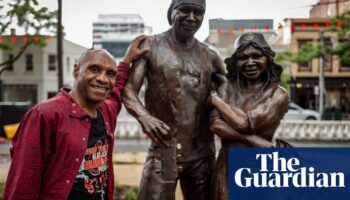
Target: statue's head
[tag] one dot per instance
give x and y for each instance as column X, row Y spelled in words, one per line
column 253, row 58
column 186, row 16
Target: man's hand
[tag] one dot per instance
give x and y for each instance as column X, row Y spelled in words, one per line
column 134, row 52
column 157, row 130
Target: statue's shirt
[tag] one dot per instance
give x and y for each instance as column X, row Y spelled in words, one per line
column 178, row 85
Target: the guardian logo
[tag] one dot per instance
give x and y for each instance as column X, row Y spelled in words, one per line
column 279, row 172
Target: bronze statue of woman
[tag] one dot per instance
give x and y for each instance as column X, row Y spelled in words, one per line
column 253, row 105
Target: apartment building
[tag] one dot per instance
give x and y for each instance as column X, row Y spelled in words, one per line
column 33, row 77
column 329, row 8
column 305, row 76
column 114, row 32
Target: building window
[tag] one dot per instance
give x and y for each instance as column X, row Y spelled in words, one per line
column 344, row 66
column 304, row 66
column 344, row 62
column 9, row 65
column 52, row 62
column 29, row 62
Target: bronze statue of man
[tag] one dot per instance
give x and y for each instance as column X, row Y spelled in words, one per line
column 179, row 71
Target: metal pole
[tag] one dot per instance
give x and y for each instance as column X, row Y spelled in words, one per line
column 59, row 45
column 1, row 90
column 321, row 76
column 337, row 8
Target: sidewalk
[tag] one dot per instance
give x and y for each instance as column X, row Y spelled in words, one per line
column 128, row 170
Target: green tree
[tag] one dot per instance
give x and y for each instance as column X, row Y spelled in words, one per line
column 283, row 60
column 341, row 24
column 29, row 17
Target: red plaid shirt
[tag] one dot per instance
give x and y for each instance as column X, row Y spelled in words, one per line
column 50, row 143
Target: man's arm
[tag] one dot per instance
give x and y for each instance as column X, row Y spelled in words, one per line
column 31, row 147
column 153, row 127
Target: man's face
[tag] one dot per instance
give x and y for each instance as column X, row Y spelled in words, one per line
column 251, row 63
column 95, row 77
column 187, row 19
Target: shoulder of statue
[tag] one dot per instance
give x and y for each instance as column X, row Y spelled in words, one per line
column 282, row 89
column 203, row 46
column 281, row 94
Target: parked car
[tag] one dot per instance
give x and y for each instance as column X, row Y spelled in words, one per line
column 296, row 112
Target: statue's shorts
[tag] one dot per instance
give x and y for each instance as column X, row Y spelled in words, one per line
column 194, row 176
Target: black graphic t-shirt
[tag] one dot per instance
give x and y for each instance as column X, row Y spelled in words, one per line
column 91, row 181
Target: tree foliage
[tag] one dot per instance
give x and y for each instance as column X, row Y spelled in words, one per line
column 341, row 24
column 30, row 18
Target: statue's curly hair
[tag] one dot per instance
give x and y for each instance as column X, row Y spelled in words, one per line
column 274, row 70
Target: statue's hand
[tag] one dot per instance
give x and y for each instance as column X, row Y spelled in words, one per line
column 157, row 130
column 257, row 141
column 213, row 93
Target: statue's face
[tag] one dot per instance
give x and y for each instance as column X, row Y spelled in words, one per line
column 187, row 19
column 251, row 63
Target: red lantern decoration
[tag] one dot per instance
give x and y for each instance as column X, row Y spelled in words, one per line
column 25, row 39
column 13, row 39
column 267, row 28
column 316, row 25
column 339, row 23
column 292, row 27
column 242, row 29
column 327, row 24
column 36, row 39
column 303, row 26
column 280, row 27
column 230, row 31
column 48, row 38
column 1, row 39
column 218, row 31
column 255, row 28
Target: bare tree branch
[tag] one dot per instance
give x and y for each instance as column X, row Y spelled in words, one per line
column 15, row 58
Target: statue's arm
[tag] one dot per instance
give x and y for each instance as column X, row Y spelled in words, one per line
column 218, row 75
column 234, row 116
column 270, row 112
column 263, row 116
column 226, row 132
column 153, row 127
column 132, row 88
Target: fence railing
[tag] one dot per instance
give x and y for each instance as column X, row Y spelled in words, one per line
column 288, row 130
column 314, row 130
